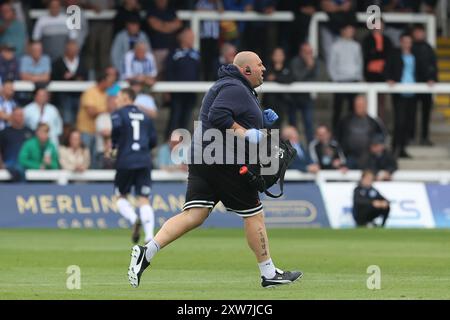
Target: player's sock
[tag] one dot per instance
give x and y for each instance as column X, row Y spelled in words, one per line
column 126, row 210
column 152, row 248
column 148, row 221
column 267, row 269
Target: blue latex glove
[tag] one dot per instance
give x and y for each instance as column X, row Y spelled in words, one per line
column 254, row 135
column 269, row 117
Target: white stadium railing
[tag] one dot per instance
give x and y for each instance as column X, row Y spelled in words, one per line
column 195, row 18
column 63, row 177
column 370, row 89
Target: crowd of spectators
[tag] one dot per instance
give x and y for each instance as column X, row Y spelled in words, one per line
column 72, row 130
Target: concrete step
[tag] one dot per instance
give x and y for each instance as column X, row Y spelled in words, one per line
column 418, row 164
column 443, row 64
column 443, row 52
column 442, row 42
column 444, row 76
column 429, row 153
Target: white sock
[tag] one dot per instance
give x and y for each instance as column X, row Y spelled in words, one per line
column 152, row 248
column 126, row 210
column 148, row 221
column 267, row 269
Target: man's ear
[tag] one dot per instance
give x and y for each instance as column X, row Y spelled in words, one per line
column 248, row 71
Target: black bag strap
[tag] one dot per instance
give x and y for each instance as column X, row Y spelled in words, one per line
column 281, row 183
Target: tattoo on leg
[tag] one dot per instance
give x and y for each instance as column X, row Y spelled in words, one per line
column 263, row 243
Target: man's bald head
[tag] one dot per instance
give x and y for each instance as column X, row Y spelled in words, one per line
column 244, row 58
column 251, row 67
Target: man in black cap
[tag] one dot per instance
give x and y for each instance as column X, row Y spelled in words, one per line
column 381, row 161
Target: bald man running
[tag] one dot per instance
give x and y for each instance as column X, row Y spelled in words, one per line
column 231, row 103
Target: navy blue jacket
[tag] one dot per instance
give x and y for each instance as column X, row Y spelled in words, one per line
column 183, row 65
column 231, row 99
column 134, row 135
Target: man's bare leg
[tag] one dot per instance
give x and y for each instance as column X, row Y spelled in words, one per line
column 255, row 230
column 178, row 225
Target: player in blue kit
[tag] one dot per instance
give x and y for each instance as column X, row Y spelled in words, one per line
column 133, row 137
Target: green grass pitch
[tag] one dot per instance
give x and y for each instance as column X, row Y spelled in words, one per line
column 217, row 264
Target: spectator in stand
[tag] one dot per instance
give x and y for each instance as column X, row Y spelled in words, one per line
column 163, row 26
column 302, row 161
column 73, row 155
column 292, row 35
column 394, row 31
column 144, row 101
column 36, row 66
column 340, row 14
column 345, row 64
column 325, row 151
column 368, row 203
column 93, row 102
column 7, row 103
column 69, row 67
column 140, row 65
column 39, row 152
column 41, row 111
column 98, row 42
column 227, row 53
column 103, row 142
column 12, row 32
column 236, row 30
column 128, row 10
column 304, row 68
column 114, row 89
column 164, row 160
column 401, row 67
column 356, row 131
column 125, row 41
column 209, row 38
column 52, row 31
column 260, row 36
column 426, row 72
column 9, row 66
column 381, row 162
column 376, row 49
column 278, row 71
column 183, row 64
column 11, row 140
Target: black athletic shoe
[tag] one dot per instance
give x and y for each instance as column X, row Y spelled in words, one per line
column 281, row 278
column 137, row 266
column 136, row 234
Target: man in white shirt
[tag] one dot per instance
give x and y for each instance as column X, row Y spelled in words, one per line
column 40, row 111
column 345, row 64
column 140, row 65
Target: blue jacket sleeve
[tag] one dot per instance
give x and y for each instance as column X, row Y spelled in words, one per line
column 229, row 103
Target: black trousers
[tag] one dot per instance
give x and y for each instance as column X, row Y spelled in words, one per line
column 403, row 121
column 210, row 49
column 365, row 214
column 181, row 111
column 339, row 99
column 426, row 102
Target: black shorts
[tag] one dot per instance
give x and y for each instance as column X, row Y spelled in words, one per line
column 209, row 184
column 140, row 179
